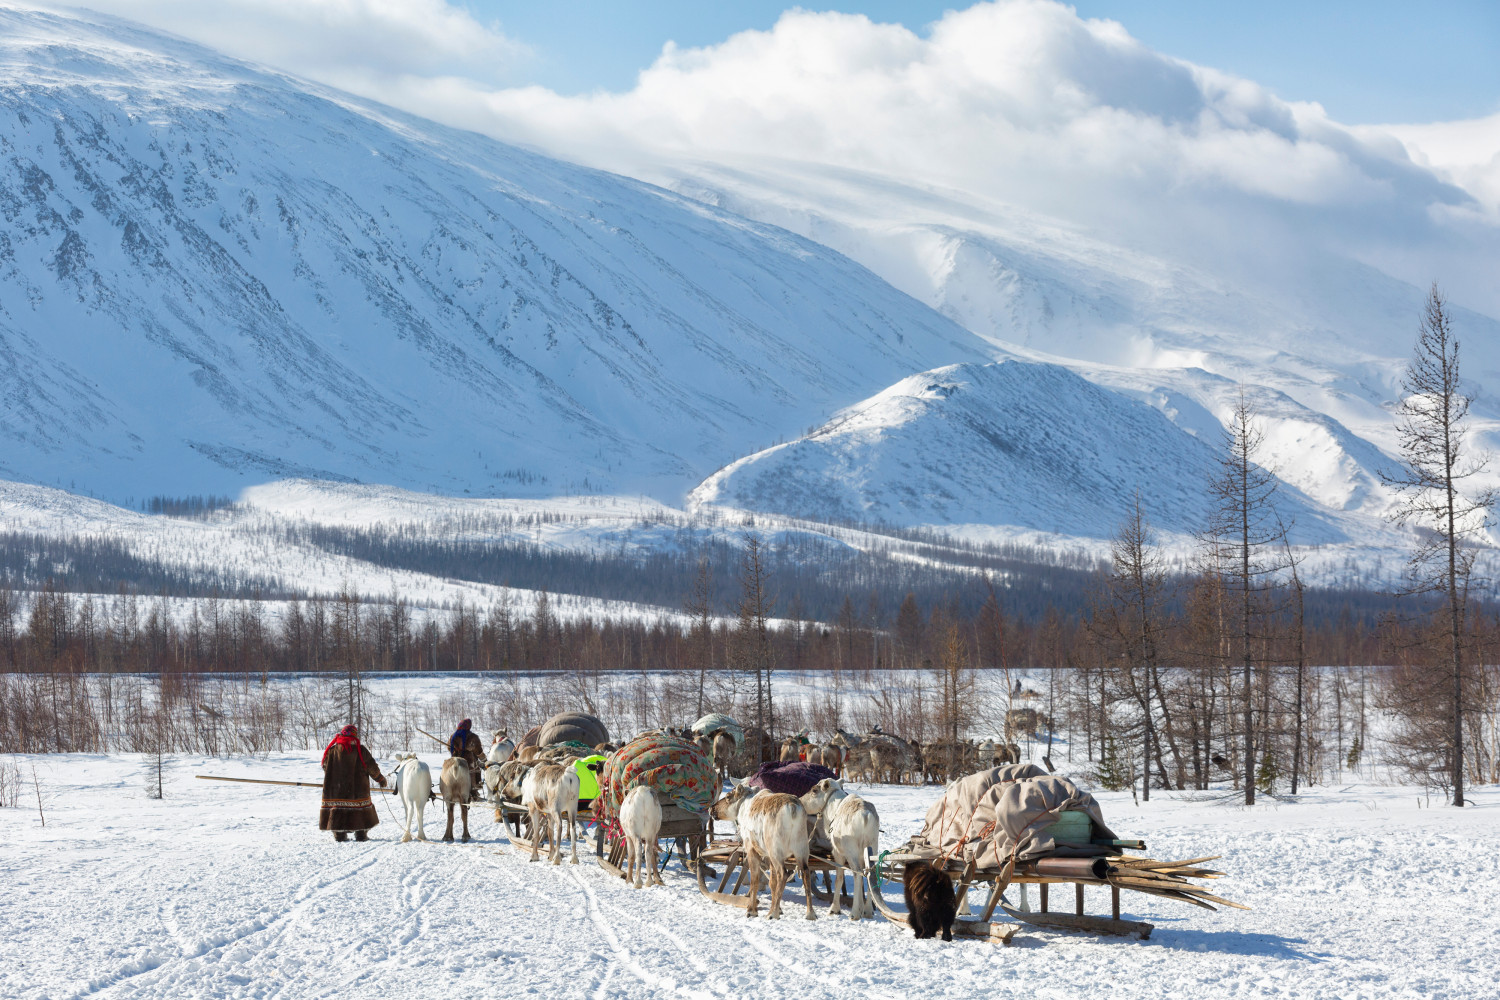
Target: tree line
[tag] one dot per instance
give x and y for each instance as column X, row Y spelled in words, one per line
column 1161, row 675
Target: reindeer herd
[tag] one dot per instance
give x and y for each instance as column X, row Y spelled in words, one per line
column 775, row 831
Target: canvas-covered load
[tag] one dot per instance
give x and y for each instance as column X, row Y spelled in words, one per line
column 567, row 727
column 1013, row 809
column 674, row 768
column 716, row 722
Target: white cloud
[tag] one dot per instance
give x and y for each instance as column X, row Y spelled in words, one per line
column 354, row 44
column 1466, row 152
column 1018, row 101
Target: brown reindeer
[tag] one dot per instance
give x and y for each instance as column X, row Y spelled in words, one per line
column 455, row 784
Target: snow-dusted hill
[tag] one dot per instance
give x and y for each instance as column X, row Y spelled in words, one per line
column 215, row 276
column 1030, row 445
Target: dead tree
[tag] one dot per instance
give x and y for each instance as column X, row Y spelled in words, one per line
column 1243, row 526
column 1432, row 426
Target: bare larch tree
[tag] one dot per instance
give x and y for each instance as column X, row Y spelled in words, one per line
column 1432, row 426
column 1243, row 527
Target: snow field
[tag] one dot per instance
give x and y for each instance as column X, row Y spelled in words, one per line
column 225, row 890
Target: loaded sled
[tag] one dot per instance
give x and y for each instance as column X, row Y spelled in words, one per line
column 1019, row 825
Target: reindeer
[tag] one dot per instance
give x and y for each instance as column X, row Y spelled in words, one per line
column 772, row 827
column 502, row 748
column 455, row 785
column 640, row 822
column 503, row 783
column 548, row 792
column 853, row 828
column 829, row 756
column 791, row 748
column 413, row 781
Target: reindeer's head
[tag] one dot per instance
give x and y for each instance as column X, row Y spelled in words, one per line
column 825, row 791
column 728, row 807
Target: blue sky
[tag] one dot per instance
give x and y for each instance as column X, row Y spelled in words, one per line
column 1366, row 62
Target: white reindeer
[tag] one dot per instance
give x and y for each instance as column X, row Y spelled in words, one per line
column 501, row 748
column 853, row 827
column 548, row 792
column 640, row 822
column 772, row 827
column 413, row 781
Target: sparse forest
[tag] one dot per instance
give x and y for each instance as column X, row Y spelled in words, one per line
column 1155, row 675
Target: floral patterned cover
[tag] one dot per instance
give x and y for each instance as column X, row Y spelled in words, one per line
column 674, row 768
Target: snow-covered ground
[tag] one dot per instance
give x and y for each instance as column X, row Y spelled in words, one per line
column 224, row 890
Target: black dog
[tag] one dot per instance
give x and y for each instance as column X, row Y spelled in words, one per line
column 930, row 903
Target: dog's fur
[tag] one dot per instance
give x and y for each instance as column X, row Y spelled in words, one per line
column 930, row 904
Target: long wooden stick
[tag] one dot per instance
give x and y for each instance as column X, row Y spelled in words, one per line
column 261, row 781
column 439, row 742
column 294, row 784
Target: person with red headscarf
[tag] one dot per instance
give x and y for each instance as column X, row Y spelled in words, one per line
column 347, row 770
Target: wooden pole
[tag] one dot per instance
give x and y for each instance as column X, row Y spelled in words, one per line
column 267, row 781
column 440, row 742
column 261, row 781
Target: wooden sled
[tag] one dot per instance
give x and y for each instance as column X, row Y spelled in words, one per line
column 688, row 831
column 732, row 857
column 517, row 823
column 1115, row 871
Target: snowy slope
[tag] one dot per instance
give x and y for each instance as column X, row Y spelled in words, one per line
column 214, row 276
column 1014, row 443
column 1329, row 333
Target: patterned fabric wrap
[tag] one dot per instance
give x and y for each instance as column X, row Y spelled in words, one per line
column 794, row 777
column 672, row 767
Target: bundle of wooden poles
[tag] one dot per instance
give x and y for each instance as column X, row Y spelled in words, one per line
column 1159, row 878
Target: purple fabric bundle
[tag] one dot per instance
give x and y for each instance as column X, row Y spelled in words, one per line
column 794, row 777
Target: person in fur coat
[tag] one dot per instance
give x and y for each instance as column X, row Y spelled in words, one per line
column 347, row 770
column 466, row 743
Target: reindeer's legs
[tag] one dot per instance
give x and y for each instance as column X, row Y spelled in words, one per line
column 776, row 877
column 448, row 833
column 654, row 872
column 807, row 888
column 752, row 905
column 536, row 832
column 465, row 807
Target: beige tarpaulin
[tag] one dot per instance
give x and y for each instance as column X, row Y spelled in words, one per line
column 1003, row 811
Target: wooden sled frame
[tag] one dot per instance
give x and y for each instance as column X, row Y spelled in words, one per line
column 517, row 823
column 732, row 856
column 687, row 830
column 1116, row 872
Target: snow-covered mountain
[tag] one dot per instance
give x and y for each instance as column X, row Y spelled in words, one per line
column 214, row 276
column 1033, row 446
